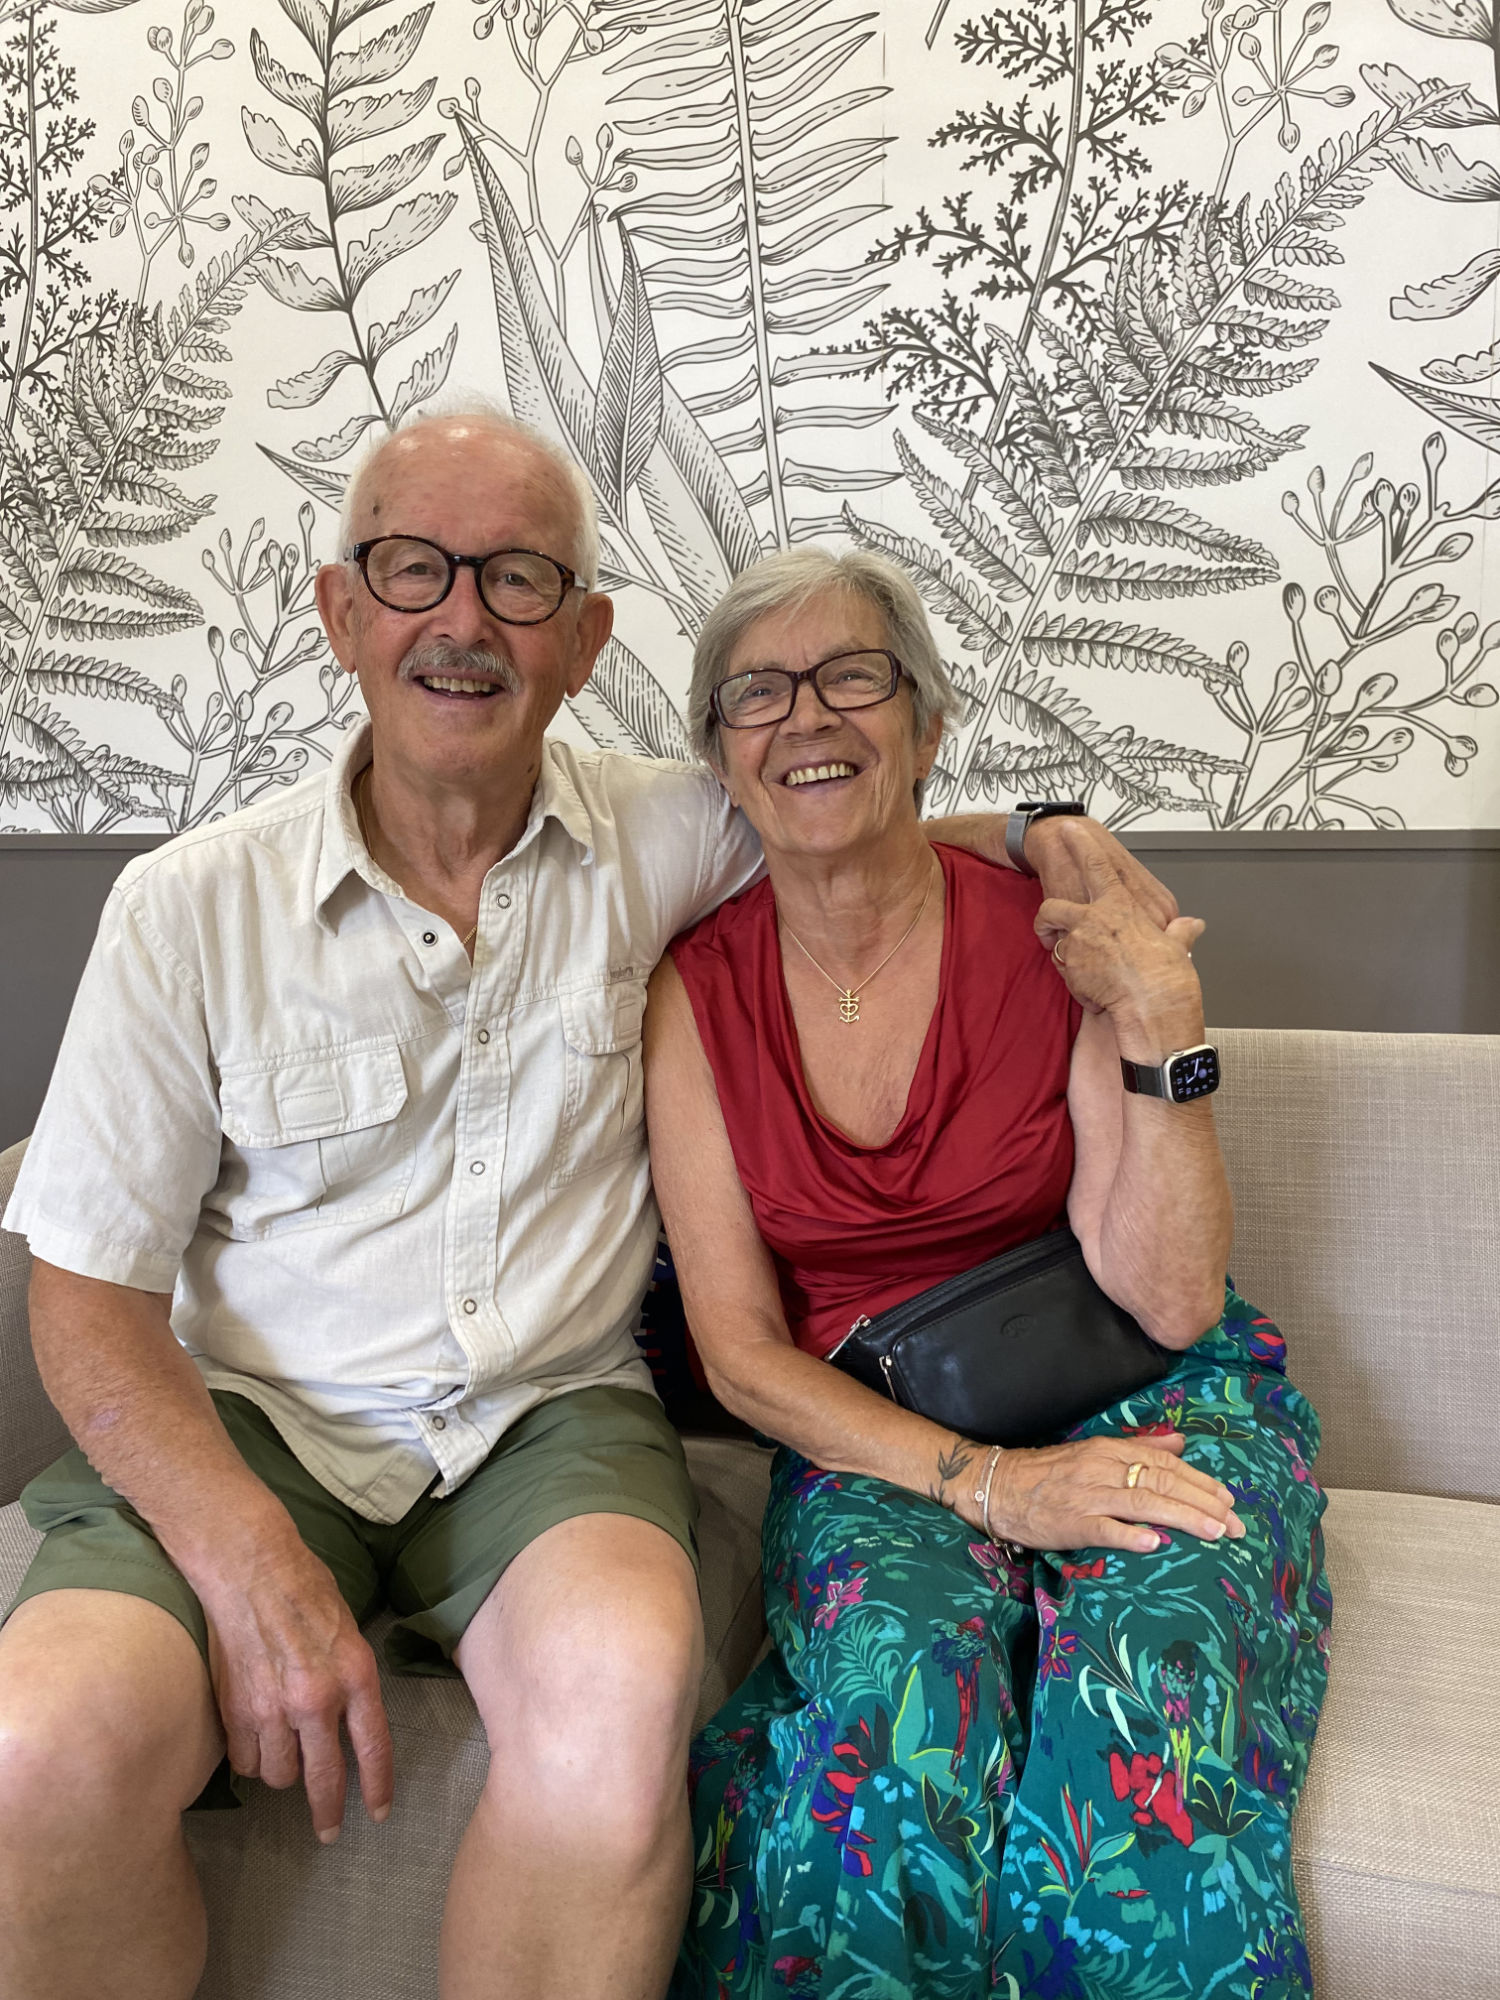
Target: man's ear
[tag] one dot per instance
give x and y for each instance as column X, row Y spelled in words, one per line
column 596, row 620
column 336, row 609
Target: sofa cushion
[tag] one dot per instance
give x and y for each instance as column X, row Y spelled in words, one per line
column 1398, row 1834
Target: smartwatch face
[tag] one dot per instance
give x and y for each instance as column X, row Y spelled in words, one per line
column 1194, row 1075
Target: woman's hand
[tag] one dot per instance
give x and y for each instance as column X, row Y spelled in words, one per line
column 1112, row 954
column 1074, row 1496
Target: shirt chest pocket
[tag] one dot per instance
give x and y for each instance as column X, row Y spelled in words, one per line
column 603, row 1098
column 323, row 1138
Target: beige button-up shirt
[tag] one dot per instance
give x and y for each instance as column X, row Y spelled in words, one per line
column 398, row 1200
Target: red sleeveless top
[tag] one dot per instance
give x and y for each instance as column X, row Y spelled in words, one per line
column 983, row 1155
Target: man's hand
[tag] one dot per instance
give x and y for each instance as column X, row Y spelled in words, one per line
column 289, row 1665
column 1115, row 958
column 1071, row 855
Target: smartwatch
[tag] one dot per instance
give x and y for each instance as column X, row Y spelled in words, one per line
column 1021, row 817
column 1185, row 1075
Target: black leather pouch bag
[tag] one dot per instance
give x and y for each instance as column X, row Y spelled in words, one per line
column 1014, row 1352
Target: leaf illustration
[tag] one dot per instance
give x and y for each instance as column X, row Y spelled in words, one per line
column 379, row 60
column 272, row 147
column 414, row 315
column 1064, row 642
column 348, row 114
column 624, row 707
column 321, row 451
column 1476, row 417
column 300, row 392
column 1465, row 368
column 1096, row 578
column 293, row 286
column 628, row 405
column 945, row 590
column 1135, row 517
column 1438, row 171
column 425, row 379
column 408, row 224
column 1441, row 298
column 129, row 394
column 1457, row 20
column 329, row 487
column 741, row 84
column 1458, row 107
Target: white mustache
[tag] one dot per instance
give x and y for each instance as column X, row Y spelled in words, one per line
column 458, row 661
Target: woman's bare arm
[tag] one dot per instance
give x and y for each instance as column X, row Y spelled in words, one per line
column 1150, row 1202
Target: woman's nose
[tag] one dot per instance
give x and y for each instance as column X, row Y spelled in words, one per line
column 809, row 710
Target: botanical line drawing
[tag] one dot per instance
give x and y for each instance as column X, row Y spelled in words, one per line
column 339, row 103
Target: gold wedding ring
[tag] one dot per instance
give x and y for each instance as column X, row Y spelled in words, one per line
column 1133, row 1474
column 1057, row 953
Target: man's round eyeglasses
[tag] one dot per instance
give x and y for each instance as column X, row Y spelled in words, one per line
column 517, row 586
column 849, row 680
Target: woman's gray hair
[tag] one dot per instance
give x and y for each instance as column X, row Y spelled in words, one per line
column 487, row 415
column 793, row 579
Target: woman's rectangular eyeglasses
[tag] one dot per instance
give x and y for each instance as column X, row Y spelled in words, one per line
column 517, row 586
column 849, row 680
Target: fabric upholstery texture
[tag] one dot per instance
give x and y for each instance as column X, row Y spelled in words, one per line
column 1366, row 1175
column 1367, row 1179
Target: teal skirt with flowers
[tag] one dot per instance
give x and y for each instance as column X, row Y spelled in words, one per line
column 1074, row 1778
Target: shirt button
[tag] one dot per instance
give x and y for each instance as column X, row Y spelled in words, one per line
column 440, row 1423
column 503, row 900
column 476, row 1166
column 429, row 937
column 471, row 1305
column 483, row 1035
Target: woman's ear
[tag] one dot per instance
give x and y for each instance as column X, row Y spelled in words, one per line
column 718, row 771
column 927, row 748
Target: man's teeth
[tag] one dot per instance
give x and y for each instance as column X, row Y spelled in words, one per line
column 457, row 687
column 813, row 777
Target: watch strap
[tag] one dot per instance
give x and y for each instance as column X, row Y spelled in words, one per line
column 1018, row 824
column 1145, row 1079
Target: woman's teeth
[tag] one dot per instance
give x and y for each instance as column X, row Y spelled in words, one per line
column 815, row 777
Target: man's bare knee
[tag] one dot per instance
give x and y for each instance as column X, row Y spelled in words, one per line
column 591, row 1663
column 105, row 1709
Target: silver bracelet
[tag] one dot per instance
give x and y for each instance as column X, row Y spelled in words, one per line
column 982, row 1491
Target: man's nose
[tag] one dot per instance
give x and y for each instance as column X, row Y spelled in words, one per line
column 463, row 615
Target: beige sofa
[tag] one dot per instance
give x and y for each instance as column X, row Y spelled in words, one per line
column 1367, row 1174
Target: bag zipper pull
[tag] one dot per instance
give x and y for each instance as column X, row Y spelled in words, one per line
column 887, row 1363
column 863, row 1320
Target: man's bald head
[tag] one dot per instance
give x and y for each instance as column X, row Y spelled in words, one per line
column 377, row 480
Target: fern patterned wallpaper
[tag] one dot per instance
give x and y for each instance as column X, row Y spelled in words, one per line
column 1158, row 340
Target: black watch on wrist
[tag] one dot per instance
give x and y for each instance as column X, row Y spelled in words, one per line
column 1021, row 817
column 1186, row 1074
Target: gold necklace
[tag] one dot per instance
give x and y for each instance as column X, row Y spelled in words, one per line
column 849, row 995
column 356, row 793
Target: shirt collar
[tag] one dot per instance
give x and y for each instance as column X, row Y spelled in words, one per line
column 342, row 850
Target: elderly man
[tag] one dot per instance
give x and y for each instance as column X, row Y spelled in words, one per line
column 341, row 1218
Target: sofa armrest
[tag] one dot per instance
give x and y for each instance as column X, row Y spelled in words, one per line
column 32, row 1434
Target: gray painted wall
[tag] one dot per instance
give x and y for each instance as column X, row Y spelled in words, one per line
column 1346, row 930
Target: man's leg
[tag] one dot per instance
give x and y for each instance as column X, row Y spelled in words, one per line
column 584, row 1661
column 108, row 1732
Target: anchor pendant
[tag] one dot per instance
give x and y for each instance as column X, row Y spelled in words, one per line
column 849, row 1004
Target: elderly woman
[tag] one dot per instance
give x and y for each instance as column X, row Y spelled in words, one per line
column 1034, row 1722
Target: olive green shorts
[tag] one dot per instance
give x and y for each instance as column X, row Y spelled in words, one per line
column 593, row 1451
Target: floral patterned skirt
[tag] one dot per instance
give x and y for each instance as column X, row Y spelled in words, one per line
column 956, row 1777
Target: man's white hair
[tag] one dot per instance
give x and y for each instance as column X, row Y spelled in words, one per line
column 487, row 415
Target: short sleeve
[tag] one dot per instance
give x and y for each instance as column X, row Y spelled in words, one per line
column 128, row 1140
column 731, row 858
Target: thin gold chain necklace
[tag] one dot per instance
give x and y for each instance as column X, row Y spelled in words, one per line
column 849, row 995
column 356, row 792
